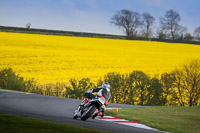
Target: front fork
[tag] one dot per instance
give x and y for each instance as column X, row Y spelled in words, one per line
column 81, row 108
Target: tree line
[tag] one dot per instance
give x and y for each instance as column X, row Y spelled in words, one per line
column 181, row 87
column 134, row 25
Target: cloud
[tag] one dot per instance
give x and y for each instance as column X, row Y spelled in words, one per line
column 92, row 4
column 81, row 4
column 155, row 3
column 70, row 4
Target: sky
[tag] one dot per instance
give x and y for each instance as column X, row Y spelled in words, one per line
column 91, row 15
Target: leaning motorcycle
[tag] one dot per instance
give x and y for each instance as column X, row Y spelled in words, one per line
column 91, row 109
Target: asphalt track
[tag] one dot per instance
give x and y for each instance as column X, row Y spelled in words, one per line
column 58, row 110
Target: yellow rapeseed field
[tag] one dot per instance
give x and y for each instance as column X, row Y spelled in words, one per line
column 51, row 59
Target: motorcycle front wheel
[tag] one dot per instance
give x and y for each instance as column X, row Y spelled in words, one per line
column 88, row 113
column 75, row 116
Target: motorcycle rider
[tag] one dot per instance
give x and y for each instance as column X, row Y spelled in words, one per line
column 102, row 91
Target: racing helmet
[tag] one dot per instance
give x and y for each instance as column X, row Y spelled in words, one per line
column 106, row 85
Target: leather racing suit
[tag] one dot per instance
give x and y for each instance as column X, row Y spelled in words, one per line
column 105, row 92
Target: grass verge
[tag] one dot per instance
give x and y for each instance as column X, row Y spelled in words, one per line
column 171, row 119
column 17, row 124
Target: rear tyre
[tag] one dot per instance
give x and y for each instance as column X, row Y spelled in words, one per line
column 88, row 113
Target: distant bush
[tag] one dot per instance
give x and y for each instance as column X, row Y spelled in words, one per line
column 10, row 80
column 78, row 88
column 162, row 37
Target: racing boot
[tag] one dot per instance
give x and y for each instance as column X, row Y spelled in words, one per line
column 94, row 116
column 102, row 114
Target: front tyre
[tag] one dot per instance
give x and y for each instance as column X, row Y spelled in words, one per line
column 88, row 113
column 75, row 116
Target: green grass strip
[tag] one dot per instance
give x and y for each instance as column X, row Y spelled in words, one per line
column 171, row 119
column 17, row 124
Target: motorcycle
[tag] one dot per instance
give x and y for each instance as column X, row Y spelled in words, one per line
column 92, row 108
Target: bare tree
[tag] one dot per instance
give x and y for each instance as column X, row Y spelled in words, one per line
column 179, row 31
column 147, row 21
column 127, row 20
column 170, row 22
column 28, row 26
column 197, row 33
